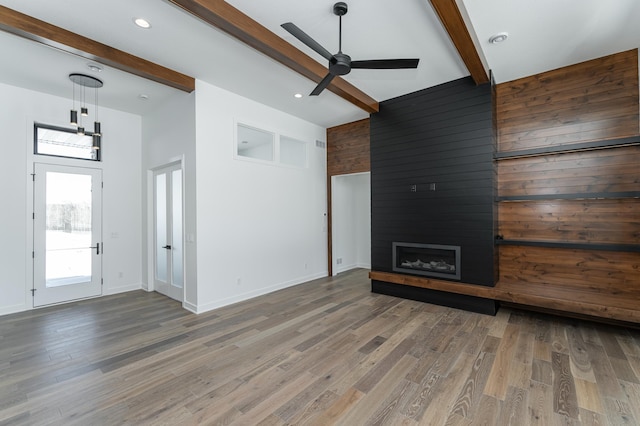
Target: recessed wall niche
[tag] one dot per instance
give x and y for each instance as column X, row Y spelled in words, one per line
column 254, row 143
column 263, row 146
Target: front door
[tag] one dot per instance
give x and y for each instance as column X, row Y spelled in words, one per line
column 169, row 250
column 67, row 233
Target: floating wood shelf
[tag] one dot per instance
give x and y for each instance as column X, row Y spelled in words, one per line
column 619, row 306
column 634, row 248
column 575, row 196
column 563, row 149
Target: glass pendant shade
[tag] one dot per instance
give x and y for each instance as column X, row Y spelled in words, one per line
column 96, row 128
column 80, row 130
column 84, row 111
column 96, row 141
column 74, row 117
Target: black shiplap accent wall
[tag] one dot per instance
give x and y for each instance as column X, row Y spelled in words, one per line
column 442, row 135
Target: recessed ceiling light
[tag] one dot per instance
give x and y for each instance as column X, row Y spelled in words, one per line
column 94, row 67
column 498, row 38
column 142, row 23
column 143, row 97
column 297, row 95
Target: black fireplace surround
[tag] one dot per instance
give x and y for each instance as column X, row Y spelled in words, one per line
column 433, row 184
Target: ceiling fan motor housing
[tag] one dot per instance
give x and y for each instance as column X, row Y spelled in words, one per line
column 340, row 64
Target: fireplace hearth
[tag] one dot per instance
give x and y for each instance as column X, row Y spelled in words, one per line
column 432, row 260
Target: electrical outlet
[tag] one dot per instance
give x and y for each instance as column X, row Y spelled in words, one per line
column 339, row 261
column 238, row 281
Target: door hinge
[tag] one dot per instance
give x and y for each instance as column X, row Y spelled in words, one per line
column 101, row 281
column 33, row 292
column 102, row 185
column 33, row 215
column 33, row 254
column 33, row 177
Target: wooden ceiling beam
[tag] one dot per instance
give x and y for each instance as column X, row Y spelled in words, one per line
column 227, row 18
column 451, row 18
column 39, row 31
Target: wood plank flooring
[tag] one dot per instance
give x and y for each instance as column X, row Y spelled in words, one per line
column 325, row 352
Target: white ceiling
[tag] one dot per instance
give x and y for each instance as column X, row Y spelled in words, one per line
column 543, row 35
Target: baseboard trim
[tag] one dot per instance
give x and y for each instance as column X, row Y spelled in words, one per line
column 206, row 307
column 123, row 289
column 190, row 307
column 14, row 309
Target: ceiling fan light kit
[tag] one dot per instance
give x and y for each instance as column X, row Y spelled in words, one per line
column 341, row 63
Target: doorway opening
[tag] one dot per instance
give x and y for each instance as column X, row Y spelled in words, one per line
column 350, row 222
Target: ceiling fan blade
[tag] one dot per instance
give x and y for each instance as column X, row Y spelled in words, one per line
column 385, row 64
column 306, row 39
column 322, row 85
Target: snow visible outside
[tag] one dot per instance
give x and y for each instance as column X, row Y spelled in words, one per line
column 68, row 229
column 69, row 258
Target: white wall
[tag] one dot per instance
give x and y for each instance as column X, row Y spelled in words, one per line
column 351, row 221
column 121, row 143
column 261, row 227
column 168, row 136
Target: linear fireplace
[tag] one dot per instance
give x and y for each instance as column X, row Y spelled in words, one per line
column 431, row 260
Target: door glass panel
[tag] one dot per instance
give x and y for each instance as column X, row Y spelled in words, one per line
column 68, row 229
column 161, row 227
column 176, row 231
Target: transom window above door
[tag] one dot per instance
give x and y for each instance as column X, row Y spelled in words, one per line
column 60, row 142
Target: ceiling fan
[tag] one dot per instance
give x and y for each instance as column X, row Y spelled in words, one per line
column 341, row 63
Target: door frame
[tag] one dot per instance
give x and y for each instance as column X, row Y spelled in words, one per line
column 31, row 159
column 38, row 258
column 149, row 284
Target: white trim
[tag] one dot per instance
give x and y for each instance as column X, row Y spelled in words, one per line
column 122, row 289
column 14, row 309
column 198, row 309
column 150, row 233
column 190, row 307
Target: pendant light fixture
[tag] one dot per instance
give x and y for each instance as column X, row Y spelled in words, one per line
column 96, row 123
column 91, row 82
column 74, row 112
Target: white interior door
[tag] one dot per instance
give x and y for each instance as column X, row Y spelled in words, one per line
column 169, row 244
column 67, row 233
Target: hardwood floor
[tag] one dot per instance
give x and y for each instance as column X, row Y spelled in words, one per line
column 325, row 352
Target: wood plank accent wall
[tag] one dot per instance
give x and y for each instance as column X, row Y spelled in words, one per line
column 348, row 149
column 593, row 100
column 440, row 136
column 569, row 210
column 607, row 171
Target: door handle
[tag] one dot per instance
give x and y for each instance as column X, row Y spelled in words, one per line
column 97, row 247
column 168, row 247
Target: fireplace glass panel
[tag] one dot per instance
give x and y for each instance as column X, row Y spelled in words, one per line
column 427, row 259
